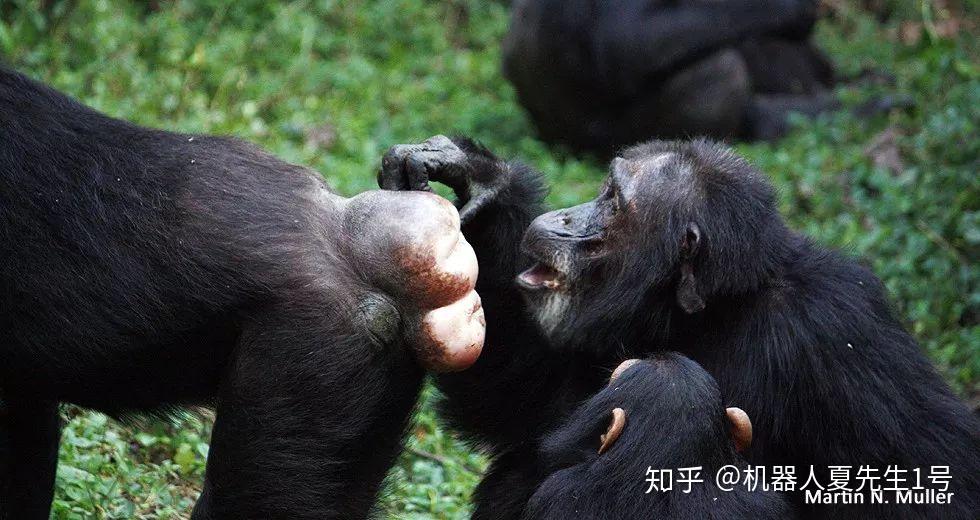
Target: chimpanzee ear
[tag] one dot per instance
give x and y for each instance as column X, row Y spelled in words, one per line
column 741, row 428
column 687, row 288
column 615, row 429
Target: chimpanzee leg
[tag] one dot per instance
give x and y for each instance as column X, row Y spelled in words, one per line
column 787, row 76
column 779, row 66
column 768, row 116
column 309, row 419
column 708, row 97
column 32, row 430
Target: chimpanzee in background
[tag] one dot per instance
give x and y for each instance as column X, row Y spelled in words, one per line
column 683, row 249
column 664, row 413
column 142, row 270
column 598, row 75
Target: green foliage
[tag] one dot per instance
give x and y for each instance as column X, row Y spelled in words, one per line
column 108, row 470
column 436, row 475
column 915, row 221
column 331, row 84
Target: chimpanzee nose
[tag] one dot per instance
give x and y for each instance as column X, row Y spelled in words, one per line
column 563, row 224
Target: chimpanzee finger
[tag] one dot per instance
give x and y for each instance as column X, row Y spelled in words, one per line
column 391, row 175
column 448, row 161
column 417, row 167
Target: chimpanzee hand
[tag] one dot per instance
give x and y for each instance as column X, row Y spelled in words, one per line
column 412, row 166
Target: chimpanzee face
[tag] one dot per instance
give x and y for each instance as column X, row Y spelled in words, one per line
column 409, row 247
column 606, row 253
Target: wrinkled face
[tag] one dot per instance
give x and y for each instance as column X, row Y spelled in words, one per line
column 409, row 246
column 585, row 252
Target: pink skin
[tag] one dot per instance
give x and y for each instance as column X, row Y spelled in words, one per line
column 458, row 329
column 410, row 246
column 625, row 365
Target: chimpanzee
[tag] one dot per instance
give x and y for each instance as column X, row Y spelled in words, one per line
column 600, row 75
column 683, row 249
column 624, row 452
column 143, row 270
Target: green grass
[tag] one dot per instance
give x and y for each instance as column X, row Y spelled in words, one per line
column 331, row 84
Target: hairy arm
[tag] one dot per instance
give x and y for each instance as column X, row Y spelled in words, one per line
column 498, row 401
column 497, row 200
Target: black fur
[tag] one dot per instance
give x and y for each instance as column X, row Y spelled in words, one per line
column 144, row 270
column 800, row 337
column 599, row 75
column 674, row 419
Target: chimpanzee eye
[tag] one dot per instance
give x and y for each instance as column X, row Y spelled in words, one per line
column 605, row 189
column 614, row 195
column 610, row 191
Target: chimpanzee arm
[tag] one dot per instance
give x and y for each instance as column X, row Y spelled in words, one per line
column 631, row 44
column 496, row 199
column 494, row 224
column 500, row 398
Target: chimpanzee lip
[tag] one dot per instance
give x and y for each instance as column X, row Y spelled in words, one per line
column 540, row 276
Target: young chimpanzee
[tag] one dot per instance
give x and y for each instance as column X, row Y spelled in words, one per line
column 684, row 249
column 601, row 75
column 626, row 452
column 142, row 270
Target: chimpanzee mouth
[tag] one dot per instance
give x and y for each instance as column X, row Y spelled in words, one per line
column 541, row 276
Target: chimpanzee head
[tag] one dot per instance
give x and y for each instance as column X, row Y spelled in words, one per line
column 676, row 225
column 668, row 401
column 662, row 412
column 409, row 248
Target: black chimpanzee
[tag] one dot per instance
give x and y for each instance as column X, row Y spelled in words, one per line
column 622, row 453
column 143, row 270
column 684, row 249
column 598, row 75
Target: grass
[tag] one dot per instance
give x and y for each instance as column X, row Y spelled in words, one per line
column 331, row 84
